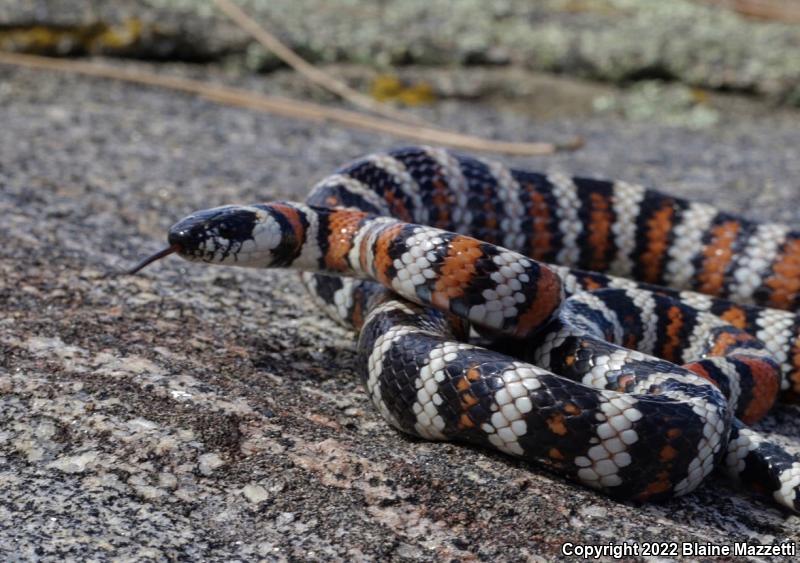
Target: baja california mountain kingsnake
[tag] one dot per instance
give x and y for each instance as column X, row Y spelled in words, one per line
column 632, row 411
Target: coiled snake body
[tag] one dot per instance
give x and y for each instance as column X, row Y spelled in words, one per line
column 625, row 386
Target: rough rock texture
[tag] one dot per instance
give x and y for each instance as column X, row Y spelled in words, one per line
column 192, row 412
column 612, row 40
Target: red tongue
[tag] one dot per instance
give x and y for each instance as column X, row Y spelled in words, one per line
column 150, row 259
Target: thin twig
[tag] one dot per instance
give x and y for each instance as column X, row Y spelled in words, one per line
column 290, row 108
column 302, row 66
column 786, row 11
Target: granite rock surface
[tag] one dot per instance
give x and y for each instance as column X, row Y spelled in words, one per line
column 192, row 412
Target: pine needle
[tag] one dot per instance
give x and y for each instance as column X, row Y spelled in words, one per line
column 289, row 108
column 306, row 69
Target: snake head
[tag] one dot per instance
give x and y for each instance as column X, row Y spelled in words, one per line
column 257, row 236
column 241, row 235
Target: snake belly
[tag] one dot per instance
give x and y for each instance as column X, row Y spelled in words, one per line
column 632, row 366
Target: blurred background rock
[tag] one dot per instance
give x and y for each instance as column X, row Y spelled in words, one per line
column 669, row 58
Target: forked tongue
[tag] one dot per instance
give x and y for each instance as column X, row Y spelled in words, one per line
column 150, row 259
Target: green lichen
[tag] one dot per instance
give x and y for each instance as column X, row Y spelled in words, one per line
column 609, row 40
column 662, row 103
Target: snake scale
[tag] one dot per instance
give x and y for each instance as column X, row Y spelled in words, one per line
column 621, row 337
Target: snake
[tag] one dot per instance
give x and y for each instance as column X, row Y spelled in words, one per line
column 612, row 334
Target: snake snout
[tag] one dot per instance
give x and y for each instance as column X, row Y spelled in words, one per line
column 190, row 236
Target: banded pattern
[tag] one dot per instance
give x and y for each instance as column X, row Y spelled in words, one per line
column 598, row 369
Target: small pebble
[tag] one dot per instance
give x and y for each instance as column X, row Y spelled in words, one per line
column 255, row 493
column 209, row 462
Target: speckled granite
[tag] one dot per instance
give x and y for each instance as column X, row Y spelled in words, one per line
column 199, row 413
